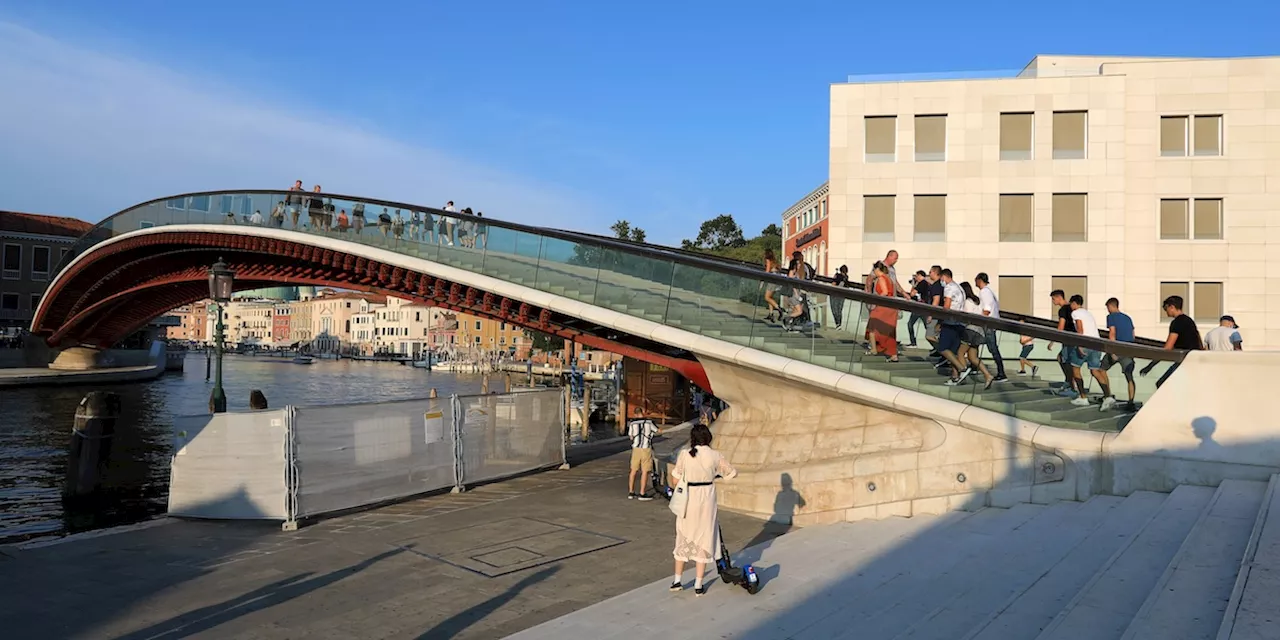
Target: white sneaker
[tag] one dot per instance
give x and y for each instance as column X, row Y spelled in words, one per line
column 963, row 374
column 1108, row 403
column 1080, row 402
column 952, row 382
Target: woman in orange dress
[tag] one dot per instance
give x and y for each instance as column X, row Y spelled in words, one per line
column 883, row 321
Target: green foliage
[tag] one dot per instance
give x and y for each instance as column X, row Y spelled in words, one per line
column 544, row 342
column 717, row 234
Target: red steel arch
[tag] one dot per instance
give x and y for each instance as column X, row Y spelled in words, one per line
column 116, row 288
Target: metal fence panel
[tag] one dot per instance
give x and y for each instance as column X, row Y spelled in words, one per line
column 230, row 465
column 349, row 456
column 508, row 434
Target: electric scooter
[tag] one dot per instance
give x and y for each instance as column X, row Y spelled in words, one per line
column 744, row 577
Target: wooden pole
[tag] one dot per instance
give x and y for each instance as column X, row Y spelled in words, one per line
column 91, row 435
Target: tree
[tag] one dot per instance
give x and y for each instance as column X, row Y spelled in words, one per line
column 624, row 231
column 772, row 230
column 717, row 234
column 544, row 342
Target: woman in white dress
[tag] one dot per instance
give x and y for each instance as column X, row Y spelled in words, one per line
column 698, row 532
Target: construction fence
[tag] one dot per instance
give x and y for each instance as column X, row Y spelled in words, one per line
column 300, row 462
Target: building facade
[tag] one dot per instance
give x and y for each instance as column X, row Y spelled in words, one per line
column 249, row 323
column 804, row 229
column 192, row 322
column 31, row 247
column 1137, row 178
column 281, row 322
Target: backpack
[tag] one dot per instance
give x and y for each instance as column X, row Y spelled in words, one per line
column 809, row 273
column 384, row 218
column 358, row 210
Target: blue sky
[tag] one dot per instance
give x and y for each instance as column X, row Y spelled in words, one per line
column 571, row 114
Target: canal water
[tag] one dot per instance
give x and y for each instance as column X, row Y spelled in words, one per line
column 35, row 428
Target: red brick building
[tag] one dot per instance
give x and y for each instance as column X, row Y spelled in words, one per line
column 804, row 229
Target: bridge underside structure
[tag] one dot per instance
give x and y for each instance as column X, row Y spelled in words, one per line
column 809, row 414
column 125, row 284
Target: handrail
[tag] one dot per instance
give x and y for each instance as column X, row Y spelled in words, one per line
column 1038, row 328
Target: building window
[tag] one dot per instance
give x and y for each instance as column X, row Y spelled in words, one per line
column 198, row 203
column 881, row 138
column 1173, row 136
column 931, row 138
column 12, row 261
column 39, row 263
column 62, row 255
column 1016, row 294
column 877, row 218
column 1017, row 217
column 477, row 325
column 1173, row 219
column 35, row 301
column 9, row 301
column 176, row 203
column 1208, row 219
column 1070, row 286
column 931, row 218
column 1070, row 217
column 477, row 339
column 1208, row 136
column 1203, row 223
column 1206, row 301
column 1016, row 136
column 1070, row 134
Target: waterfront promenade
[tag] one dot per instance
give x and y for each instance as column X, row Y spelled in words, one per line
column 487, row 563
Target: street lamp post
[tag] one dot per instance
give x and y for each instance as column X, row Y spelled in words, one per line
column 221, row 280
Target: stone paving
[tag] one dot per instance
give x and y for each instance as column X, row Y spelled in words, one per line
column 483, row 564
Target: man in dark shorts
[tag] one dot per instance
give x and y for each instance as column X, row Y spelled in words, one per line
column 1120, row 328
column 1065, row 323
column 1183, row 335
column 920, row 289
column 934, row 297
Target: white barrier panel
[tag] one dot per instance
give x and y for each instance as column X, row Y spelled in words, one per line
column 509, row 434
column 348, row 456
column 230, row 465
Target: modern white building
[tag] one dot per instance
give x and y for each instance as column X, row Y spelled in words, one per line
column 1137, row 178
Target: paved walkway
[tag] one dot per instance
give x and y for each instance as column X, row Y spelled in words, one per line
column 484, row 564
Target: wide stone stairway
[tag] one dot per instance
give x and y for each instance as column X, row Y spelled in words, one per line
column 1199, row 563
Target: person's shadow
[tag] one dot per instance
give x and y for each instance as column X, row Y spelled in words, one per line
column 785, row 505
column 1203, row 428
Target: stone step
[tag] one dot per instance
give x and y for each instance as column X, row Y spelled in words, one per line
column 874, row 596
column 1026, row 612
column 1107, row 603
column 1253, row 612
column 1189, row 599
column 954, row 600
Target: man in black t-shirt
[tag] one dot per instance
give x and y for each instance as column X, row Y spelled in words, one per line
column 919, row 291
column 1065, row 323
column 933, row 296
column 1183, row 336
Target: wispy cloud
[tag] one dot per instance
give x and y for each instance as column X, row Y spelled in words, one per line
column 86, row 133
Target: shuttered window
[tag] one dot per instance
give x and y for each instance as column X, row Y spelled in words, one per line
column 931, row 218
column 1206, row 301
column 877, row 218
column 1173, row 220
column 931, row 138
column 1069, row 137
column 1017, row 218
column 1016, row 136
column 1180, row 289
column 1208, row 135
column 1015, row 293
column 1173, row 136
column 1070, row 286
column 1070, row 218
column 1208, row 219
column 881, row 138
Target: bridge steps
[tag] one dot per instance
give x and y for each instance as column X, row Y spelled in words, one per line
column 1149, row 565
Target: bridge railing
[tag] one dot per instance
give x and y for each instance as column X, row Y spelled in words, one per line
column 717, row 298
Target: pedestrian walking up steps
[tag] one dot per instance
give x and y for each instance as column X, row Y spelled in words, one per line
column 1200, row 563
column 1033, row 400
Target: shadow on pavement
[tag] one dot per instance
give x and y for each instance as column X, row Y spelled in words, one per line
column 455, row 624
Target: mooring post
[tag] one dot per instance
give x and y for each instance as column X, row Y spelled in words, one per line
column 257, row 399
column 484, row 384
column 91, row 435
column 208, row 365
column 433, row 393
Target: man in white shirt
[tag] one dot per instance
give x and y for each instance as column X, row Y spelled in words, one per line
column 990, row 306
column 951, row 332
column 1225, row 336
column 641, row 433
column 1086, row 325
column 256, row 218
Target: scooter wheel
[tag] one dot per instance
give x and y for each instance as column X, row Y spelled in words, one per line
column 753, row 588
column 725, row 578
